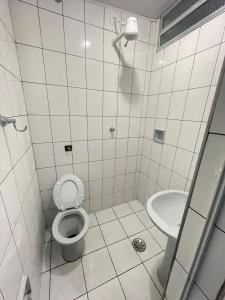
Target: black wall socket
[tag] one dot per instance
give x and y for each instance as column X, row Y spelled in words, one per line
column 68, row 148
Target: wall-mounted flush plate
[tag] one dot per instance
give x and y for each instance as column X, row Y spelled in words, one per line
column 159, row 135
column 68, row 148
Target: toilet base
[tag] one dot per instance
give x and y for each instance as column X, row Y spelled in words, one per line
column 74, row 251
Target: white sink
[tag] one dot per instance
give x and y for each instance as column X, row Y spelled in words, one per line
column 166, row 211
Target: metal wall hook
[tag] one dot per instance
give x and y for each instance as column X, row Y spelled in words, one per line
column 5, row 121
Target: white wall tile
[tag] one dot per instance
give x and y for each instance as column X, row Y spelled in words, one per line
column 60, row 128
column 40, row 129
column 95, row 150
column 109, row 103
column 94, row 74
column 94, row 128
column 80, row 151
column 5, row 229
column 111, row 77
column 31, row 56
column 172, row 132
column 52, row 36
column 44, row 155
column 74, row 37
column 210, row 165
column 77, row 101
column 219, row 63
column 36, row 98
column 94, row 42
column 94, row 14
column 176, row 282
column 26, row 23
column 211, row 33
column 171, row 53
column 177, row 105
column 47, row 178
column 195, row 104
column 74, row 9
column 4, row 154
column 203, row 67
column 75, row 66
column 163, row 105
column 188, row 135
column 58, row 100
column 182, row 162
column 155, row 82
column 94, row 103
column 78, row 128
column 181, row 78
column 167, row 78
column 122, row 127
column 144, row 29
column 189, row 241
column 63, row 170
column 108, row 149
column 55, row 67
column 95, row 170
column 11, row 199
column 188, row 44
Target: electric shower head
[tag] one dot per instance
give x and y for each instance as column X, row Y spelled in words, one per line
column 130, row 33
column 131, row 30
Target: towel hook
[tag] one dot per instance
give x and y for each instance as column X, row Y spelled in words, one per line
column 5, row 121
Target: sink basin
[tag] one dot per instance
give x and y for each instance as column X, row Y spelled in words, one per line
column 166, row 210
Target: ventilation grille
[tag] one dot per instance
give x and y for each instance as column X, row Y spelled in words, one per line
column 175, row 12
column 201, row 12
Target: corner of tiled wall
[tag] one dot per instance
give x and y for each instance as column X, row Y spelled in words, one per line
column 21, row 213
column 206, row 67
column 183, row 81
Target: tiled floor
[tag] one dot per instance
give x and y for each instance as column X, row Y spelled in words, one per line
column 109, row 268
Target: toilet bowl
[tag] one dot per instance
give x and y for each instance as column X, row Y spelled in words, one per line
column 71, row 223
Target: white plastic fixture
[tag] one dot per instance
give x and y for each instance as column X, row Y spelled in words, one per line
column 131, row 31
column 166, row 210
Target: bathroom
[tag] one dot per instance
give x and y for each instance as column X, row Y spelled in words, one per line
column 121, row 103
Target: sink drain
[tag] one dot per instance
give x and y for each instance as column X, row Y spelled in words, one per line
column 139, row 245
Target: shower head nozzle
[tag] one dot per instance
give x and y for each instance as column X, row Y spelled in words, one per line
column 130, row 33
column 131, row 30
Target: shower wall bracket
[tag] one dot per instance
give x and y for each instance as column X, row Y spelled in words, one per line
column 5, row 121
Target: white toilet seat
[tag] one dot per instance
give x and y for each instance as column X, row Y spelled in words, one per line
column 58, row 219
column 68, row 192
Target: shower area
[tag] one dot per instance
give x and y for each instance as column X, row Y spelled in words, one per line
column 103, row 101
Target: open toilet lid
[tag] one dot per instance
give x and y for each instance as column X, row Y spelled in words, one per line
column 68, row 192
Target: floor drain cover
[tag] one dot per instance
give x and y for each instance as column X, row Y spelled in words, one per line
column 139, row 245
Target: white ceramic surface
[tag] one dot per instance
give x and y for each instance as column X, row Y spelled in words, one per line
column 166, row 210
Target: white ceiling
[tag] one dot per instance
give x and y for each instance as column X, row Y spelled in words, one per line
column 148, row 8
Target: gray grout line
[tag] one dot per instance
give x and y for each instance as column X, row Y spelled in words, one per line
column 68, row 96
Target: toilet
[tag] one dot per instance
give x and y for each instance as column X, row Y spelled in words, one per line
column 71, row 223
